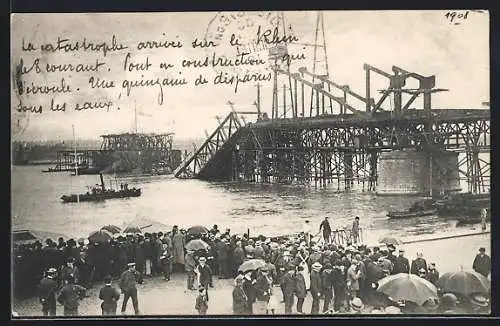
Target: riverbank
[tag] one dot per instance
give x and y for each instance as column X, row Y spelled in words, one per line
column 448, row 254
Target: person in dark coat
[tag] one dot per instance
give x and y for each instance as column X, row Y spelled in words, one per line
column 239, row 297
column 47, row 293
column 250, row 291
column 432, row 274
column 109, row 296
column 128, row 281
column 327, row 286
column 327, row 230
column 418, row 264
column 288, row 288
column 315, row 287
column 238, row 255
column 205, row 273
column 376, row 254
column 222, row 254
column 70, row 270
column 401, row 264
column 482, row 263
column 339, row 285
column 300, row 288
column 70, row 297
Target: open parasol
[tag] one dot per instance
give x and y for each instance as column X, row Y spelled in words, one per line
column 407, row 287
column 100, row 236
column 251, row 265
column 197, row 230
column 132, row 229
column 111, row 228
column 464, row 282
column 390, row 241
column 197, row 244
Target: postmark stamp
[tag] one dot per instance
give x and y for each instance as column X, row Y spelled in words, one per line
column 235, row 34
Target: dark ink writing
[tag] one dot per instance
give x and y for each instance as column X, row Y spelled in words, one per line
column 56, row 107
column 203, row 44
column 130, row 66
column 165, row 65
column 33, row 89
column 455, row 17
column 200, row 81
column 65, row 45
column 32, row 109
column 159, row 82
column 35, row 65
column 94, row 105
column 234, row 41
column 80, row 67
column 27, row 47
column 165, row 44
column 226, row 79
column 101, row 83
column 275, row 38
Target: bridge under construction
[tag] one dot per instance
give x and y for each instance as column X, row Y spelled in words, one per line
column 323, row 133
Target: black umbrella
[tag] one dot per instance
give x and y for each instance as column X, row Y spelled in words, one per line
column 112, row 228
column 251, row 265
column 197, row 230
column 197, row 244
column 100, row 236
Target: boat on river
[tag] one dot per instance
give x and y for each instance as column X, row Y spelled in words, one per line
column 411, row 213
column 101, row 193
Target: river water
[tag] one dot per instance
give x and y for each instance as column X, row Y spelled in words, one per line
column 167, row 201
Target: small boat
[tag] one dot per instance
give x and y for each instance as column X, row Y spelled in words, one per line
column 99, row 194
column 411, row 213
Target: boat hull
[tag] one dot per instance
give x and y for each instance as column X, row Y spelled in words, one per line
column 101, row 196
column 406, row 214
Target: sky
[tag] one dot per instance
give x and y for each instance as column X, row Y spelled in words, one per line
column 421, row 41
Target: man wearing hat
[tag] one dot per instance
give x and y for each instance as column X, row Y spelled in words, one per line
column 482, row 263
column 204, row 273
column 401, row 264
column 288, row 287
column 70, row 296
column 47, row 293
column 128, row 281
column 70, row 270
column 327, row 286
column 222, row 248
column 109, row 296
column 418, row 264
column 315, row 287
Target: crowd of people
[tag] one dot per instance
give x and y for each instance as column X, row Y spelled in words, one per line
column 340, row 278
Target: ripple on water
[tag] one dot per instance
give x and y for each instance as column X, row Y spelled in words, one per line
column 266, row 209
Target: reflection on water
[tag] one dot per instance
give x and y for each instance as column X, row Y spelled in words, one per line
column 166, row 201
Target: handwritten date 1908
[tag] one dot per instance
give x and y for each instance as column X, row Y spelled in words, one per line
column 456, row 17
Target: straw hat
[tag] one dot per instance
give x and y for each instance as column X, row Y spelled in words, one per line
column 392, row 310
column 479, row 300
column 357, row 304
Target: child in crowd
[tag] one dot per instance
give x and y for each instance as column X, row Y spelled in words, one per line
column 202, row 301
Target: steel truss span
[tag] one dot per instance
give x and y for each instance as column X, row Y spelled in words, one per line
column 322, row 132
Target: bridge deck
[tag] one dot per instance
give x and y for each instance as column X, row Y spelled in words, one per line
column 374, row 120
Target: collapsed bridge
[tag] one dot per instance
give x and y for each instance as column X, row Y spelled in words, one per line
column 324, row 133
